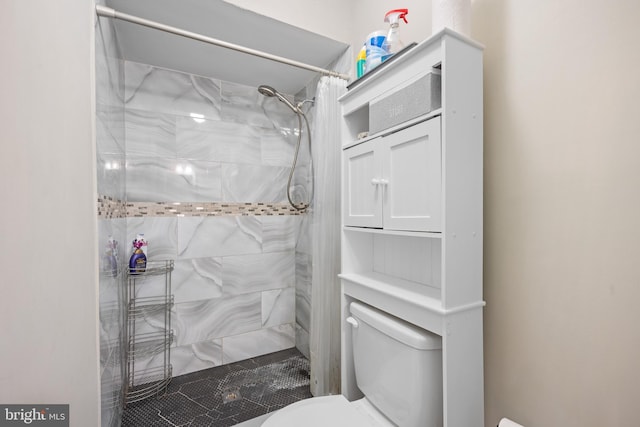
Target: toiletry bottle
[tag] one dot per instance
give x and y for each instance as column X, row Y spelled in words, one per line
column 361, row 62
column 138, row 260
column 374, row 49
column 110, row 258
column 392, row 43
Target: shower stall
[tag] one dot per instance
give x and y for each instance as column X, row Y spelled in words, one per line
column 214, row 166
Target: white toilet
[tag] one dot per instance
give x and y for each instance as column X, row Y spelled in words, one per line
column 398, row 368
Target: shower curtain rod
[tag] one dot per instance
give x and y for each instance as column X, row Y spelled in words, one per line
column 112, row 13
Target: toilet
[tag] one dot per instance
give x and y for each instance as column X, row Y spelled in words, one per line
column 398, row 368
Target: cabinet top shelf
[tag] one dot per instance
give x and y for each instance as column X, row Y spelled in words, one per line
column 399, row 63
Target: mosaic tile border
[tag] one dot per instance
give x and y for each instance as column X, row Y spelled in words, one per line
column 109, row 208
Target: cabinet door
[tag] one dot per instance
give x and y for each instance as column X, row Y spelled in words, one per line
column 412, row 177
column 362, row 192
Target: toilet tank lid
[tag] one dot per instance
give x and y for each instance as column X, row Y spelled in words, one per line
column 396, row 328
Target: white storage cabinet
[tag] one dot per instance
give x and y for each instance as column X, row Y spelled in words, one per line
column 412, row 212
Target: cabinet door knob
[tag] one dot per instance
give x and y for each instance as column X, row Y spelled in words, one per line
column 384, row 181
column 375, row 181
column 353, row 322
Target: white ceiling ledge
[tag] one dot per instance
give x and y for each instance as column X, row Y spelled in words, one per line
column 221, row 20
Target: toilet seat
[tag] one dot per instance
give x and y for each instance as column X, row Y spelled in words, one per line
column 334, row 411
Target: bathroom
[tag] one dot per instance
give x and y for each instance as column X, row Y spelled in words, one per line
column 561, row 336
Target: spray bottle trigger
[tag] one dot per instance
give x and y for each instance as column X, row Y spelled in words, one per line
column 402, row 14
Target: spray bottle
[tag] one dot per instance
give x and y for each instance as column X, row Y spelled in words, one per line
column 393, row 44
column 138, row 260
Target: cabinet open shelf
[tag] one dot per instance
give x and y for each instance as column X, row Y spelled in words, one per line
column 408, row 300
column 355, row 141
column 400, row 289
column 422, row 234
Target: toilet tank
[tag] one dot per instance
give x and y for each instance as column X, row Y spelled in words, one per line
column 398, row 367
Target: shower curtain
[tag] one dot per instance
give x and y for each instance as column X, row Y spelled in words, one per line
column 325, row 231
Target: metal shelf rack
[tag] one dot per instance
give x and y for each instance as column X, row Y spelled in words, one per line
column 149, row 333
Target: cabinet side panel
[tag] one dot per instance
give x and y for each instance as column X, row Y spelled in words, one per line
column 463, row 370
column 462, row 154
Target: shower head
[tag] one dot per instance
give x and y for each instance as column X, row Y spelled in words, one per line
column 269, row 91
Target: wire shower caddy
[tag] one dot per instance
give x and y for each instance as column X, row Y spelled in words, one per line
column 149, row 335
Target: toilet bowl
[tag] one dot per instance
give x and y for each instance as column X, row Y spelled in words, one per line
column 398, row 368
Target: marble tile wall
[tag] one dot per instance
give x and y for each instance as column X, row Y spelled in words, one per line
column 206, row 171
column 110, row 161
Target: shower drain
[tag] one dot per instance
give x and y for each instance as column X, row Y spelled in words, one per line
column 231, row 394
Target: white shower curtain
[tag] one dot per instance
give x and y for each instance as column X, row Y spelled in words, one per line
column 325, row 224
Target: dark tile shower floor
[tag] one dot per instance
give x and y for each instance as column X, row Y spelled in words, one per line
column 226, row 395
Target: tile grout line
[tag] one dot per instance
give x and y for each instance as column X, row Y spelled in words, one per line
column 169, row 421
column 197, row 403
